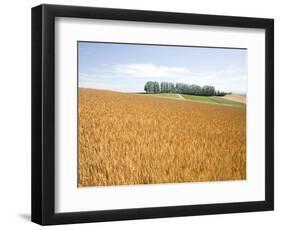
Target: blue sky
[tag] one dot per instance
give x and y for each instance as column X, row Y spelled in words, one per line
column 126, row 67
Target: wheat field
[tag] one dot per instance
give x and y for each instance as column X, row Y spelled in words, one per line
column 127, row 139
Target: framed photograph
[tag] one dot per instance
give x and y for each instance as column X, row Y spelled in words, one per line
column 143, row 114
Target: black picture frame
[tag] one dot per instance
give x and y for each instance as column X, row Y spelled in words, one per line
column 43, row 114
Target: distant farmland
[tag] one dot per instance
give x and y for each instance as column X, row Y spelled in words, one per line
column 228, row 100
column 127, row 138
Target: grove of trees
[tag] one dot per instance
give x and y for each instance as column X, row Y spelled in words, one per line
column 152, row 87
column 168, row 87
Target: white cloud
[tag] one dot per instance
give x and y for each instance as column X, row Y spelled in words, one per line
column 231, row 70
column 97, row 82
column 142, row 70
column 132, row 77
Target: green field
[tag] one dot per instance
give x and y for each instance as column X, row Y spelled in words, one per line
column 220, row 100
column 214, row 100
column 167, row 95
column 202, row 99
column 205, row 99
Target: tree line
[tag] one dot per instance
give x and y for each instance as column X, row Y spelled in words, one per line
column 169, row 87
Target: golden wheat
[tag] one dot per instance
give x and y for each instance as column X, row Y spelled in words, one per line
column 136, row 139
